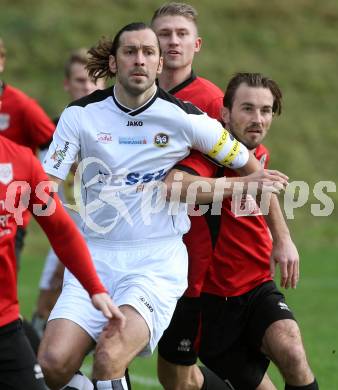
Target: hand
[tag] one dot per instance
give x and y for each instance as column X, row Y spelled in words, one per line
column 267, row 180
column 285, row 253
column 117, row 321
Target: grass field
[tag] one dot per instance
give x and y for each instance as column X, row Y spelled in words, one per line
column 314, row 303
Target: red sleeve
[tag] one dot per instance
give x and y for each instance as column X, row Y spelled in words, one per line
column 63, row 234
column 39, row 125
column 199, row 164
column 263, row 155
column 214, row 108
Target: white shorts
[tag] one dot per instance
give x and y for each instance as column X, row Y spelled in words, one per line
column 150, row 277
column 49, row 268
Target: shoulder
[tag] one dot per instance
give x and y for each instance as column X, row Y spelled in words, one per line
column 95, row 97
column 212, row 89
column 16, row 94
column 185, row 106
column 261, row 149
column 12, row 151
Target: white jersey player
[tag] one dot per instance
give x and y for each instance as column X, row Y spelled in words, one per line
column 127, row 136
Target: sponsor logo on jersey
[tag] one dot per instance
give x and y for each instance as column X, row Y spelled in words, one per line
column 138, row 140
column 37, row 371
column 161, row 140
column 185, row 345
column 59, row 155
column 141, row 178
column 104, row 138
column 4, row 121
column 146, row 303
column 283, row 306
column 134, row 123
column 6, row 173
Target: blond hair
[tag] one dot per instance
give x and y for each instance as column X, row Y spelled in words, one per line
column 176, row 9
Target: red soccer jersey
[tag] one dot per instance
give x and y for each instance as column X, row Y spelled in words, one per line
column 18, row 164
column 241, row 258
column 208, row 97
column 23, row 121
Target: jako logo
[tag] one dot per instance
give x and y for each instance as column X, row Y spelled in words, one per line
column 147, row 304
column 134, row 123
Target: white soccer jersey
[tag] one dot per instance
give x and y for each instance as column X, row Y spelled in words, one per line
column 123, row 151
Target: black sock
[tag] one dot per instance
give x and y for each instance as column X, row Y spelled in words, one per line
column 212, row 381
column 311, row 386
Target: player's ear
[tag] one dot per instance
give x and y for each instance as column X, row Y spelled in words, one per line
column 112, row 64
column 198, row 44
column 225, row 115
column 160, row 66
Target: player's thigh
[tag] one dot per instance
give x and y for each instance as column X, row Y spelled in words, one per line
column 267, row 307
column 153, row 284
column 222, row 324
column 224, row 347
column 126, row 344
column 178, row 345
column 64, row 344
column 19, row 369
column 281, row 336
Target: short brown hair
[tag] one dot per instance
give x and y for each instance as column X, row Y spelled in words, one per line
column 176, row 9
column 253, row 80
column 79, row 56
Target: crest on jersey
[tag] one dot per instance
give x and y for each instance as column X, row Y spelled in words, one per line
column 161, row 140
column 4, row 121
column 6, row 173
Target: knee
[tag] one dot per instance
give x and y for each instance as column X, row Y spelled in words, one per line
column 109, row 360
column 294, row 354
column 176, row 377
column 167, row 381
column 54, row 367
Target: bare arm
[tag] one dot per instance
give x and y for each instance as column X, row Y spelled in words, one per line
column 284, row 250
column 181, row 184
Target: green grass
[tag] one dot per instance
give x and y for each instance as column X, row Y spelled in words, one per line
column 314, row 303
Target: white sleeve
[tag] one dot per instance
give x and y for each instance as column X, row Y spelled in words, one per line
column 210, row 138
column 65, row 146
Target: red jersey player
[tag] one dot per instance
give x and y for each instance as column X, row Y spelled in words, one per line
column 23, row 121
column 175, row 26
column 23, row 184
column 245, row 320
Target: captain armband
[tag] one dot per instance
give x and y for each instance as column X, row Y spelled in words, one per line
column 229, row 152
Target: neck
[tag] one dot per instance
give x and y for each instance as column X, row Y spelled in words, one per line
column 170, row 78
column 130, row 100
